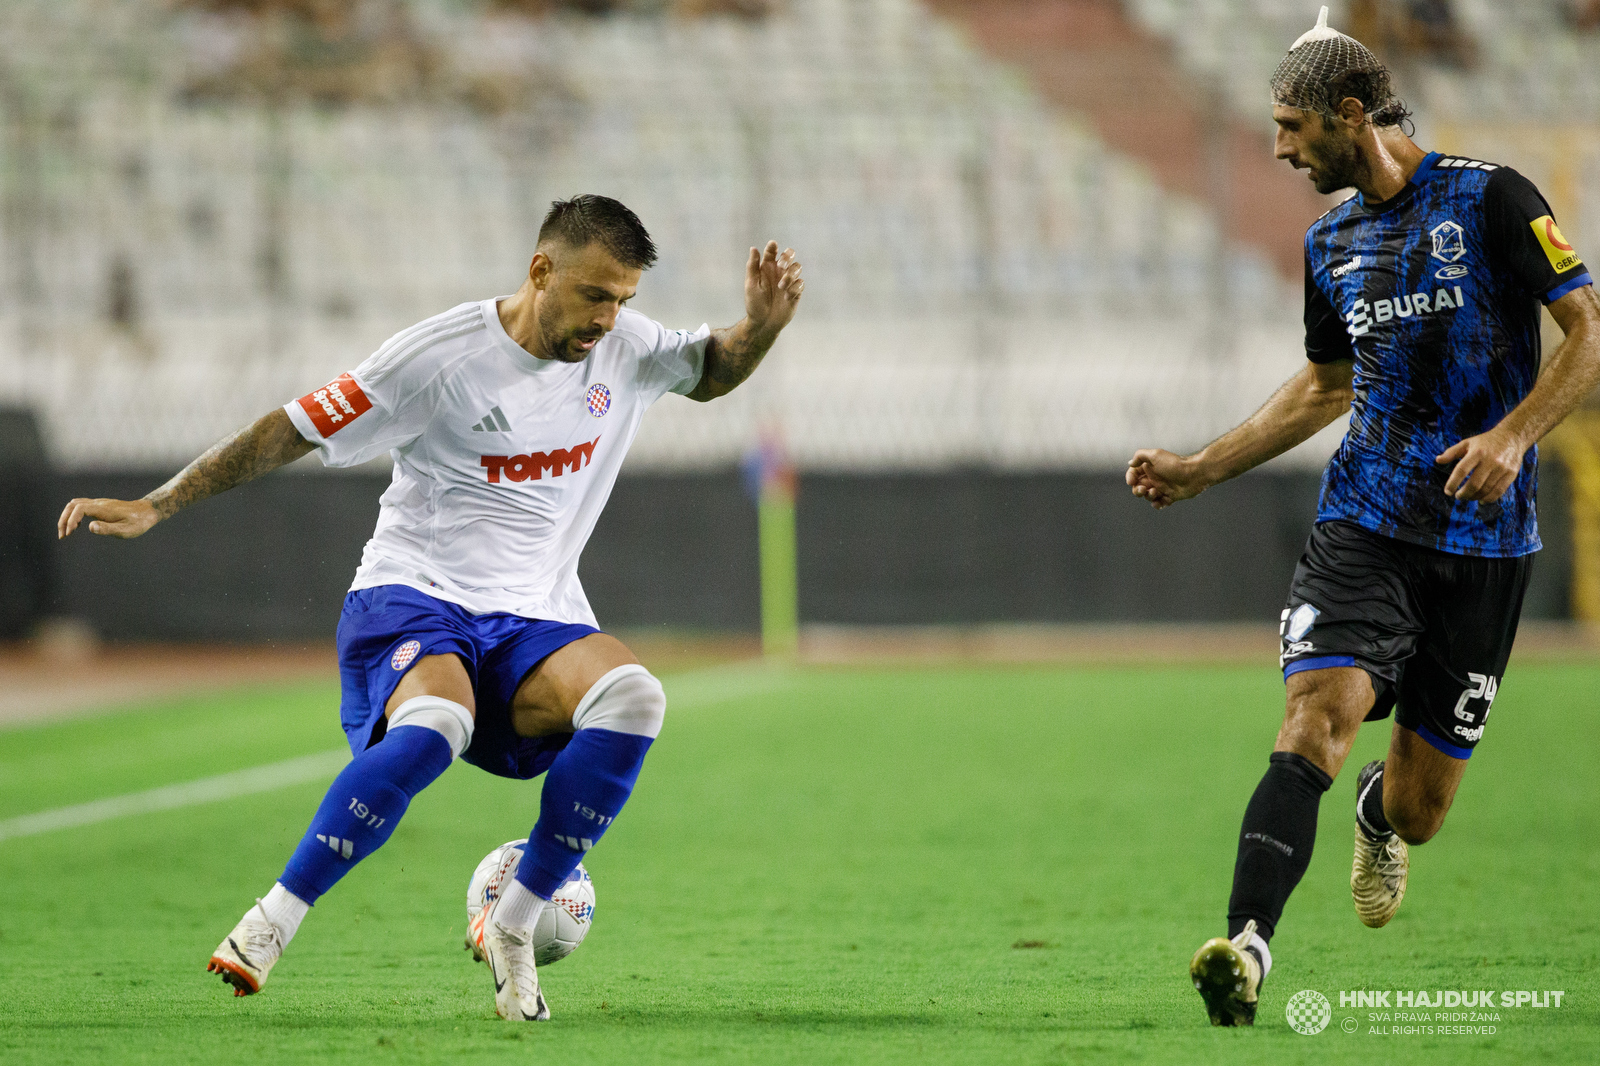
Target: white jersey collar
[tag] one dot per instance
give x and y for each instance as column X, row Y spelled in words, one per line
column 516, row 352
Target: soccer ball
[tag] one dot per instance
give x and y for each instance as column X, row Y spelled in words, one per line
column 561, row 928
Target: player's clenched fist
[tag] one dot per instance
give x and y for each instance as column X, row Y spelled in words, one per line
column 772, row 287
column 1163, row 478
column 109, row 518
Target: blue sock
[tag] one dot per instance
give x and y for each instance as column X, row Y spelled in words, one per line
column 584, row 791
column 363, row 806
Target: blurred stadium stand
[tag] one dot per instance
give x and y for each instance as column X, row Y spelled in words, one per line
column 211, row 206
column 28, row 492
column 1517, row 83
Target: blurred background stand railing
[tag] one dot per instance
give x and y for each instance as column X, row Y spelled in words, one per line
column 1576, row 442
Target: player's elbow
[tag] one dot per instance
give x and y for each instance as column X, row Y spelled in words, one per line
column 1329, row 401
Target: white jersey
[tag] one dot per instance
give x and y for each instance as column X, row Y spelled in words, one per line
column 502, row 462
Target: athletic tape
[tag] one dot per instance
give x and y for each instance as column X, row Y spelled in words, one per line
column 445, row 717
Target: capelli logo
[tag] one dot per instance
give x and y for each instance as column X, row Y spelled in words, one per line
column 1451, row 273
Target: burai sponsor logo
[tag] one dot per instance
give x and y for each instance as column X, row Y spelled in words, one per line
column 534, row 465
column 1362, row 315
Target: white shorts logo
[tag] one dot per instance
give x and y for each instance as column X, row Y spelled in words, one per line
column 404, row 654
column 1308, row 1012
column 1301, row 621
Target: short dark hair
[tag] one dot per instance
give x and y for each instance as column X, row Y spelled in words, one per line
column 589, row 219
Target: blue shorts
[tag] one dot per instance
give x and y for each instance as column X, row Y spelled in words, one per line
column 384, row 630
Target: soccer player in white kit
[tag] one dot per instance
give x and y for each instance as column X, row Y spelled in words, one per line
column 466, row 632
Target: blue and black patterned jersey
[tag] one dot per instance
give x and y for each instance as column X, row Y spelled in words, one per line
column 1435, row 295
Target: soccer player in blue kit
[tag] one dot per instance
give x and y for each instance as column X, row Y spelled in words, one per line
column 466, row 633
column 1422, row 321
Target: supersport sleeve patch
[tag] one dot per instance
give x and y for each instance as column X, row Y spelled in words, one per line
column 335, row 405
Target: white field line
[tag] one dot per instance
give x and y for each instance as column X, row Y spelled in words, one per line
column 700, row 688
column 321, row 766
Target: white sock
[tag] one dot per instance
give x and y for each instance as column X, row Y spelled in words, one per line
column 518, row 906
column 284, row 909
column 1262, row 950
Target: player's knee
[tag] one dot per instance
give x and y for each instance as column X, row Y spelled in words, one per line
column 628, row 699
column 446, row 717
column 1325, row 706
column 1312, row 722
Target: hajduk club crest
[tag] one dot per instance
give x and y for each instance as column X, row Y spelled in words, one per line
column 599, row 400
column 404, row 654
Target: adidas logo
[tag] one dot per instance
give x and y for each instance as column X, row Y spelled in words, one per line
column 493, row 422
column 576, row 843
column 343, row 847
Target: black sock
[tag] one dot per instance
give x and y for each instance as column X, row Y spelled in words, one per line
column 1369, row 809
column 1280, row 827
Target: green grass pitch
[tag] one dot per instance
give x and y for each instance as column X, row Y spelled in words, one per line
column 1006, row 865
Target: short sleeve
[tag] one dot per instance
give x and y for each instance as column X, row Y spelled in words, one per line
column 674, row 360
column 1523, row 237
column 1327, row 339
column 364, row 414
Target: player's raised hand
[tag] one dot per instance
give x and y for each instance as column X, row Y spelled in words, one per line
column 1162, row 477
column 772, row 287
column 1486, row 465
column 108, row 518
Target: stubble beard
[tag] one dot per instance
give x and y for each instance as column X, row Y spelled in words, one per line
column 556, row 342
column 1336, row 163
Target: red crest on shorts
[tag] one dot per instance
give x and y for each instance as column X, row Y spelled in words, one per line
column 335, row 405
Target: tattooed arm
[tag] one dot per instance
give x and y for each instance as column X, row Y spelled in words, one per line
column 772, row 288
column 268, row 443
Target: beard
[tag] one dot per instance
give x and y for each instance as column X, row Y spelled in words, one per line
column 560, row 343
column 1336, row 163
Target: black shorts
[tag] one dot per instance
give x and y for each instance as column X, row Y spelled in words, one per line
column 1433, row 629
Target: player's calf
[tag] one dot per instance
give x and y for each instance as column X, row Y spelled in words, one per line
column 589, row 782
column 359, row 813
column 1419, row 784
column 614, row 725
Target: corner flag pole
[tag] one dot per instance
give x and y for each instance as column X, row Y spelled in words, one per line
column 770, row 478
